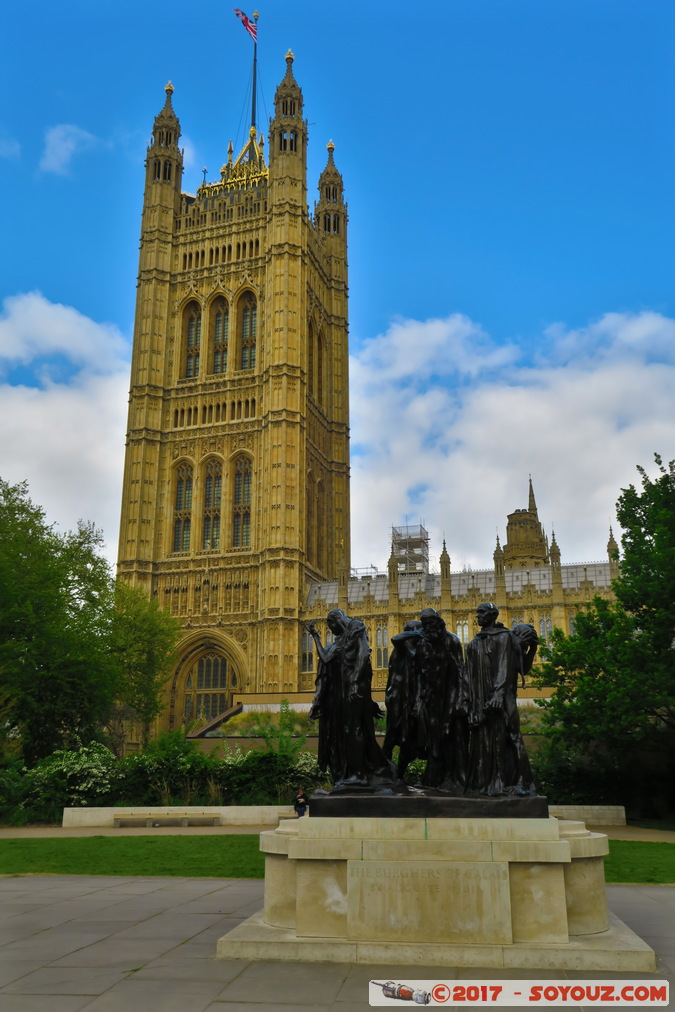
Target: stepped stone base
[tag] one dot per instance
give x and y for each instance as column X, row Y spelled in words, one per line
column 617, row 949
column 508, row 892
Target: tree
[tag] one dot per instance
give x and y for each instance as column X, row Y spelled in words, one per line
column 601, row 693
column 55, row 667
column 75, row 647
column 614, row 678
column 646, row 586
column 143, row 643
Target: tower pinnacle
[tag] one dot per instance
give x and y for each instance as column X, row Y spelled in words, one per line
column 531, row 503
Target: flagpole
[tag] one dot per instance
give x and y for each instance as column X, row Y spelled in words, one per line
column 255, row 69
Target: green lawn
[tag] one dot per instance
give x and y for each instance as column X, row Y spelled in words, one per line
column 235, row 856
column 239, row 857
column 635, row 861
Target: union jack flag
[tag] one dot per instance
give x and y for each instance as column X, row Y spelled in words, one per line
column 249, row 25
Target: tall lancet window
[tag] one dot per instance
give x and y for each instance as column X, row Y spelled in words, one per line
column 241, row 521
column 310, row 360
column 213, row 484
column 182, row 516
column 221, row 323
column 248, row 312
column 192, row 336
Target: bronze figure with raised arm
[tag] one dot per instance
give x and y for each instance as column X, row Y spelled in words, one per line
column 345, row 709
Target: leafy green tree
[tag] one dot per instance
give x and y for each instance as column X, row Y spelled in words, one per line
column 598, row 676
column 614, row 679
column 646, row 586
column 143, row 643
column 76, row 649
column 56, row 675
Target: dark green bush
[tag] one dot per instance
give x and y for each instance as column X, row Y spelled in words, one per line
column 11, row 787
column 169, row 770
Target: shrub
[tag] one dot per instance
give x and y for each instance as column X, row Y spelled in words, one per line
column 567, row 776
column 11, row 787
column 169, row 770
column 257, row 724
column 84, row 776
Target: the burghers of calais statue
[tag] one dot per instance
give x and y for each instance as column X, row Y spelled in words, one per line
column 441, row 704
column 402, row 699
column 498, row 762
column 346, row 711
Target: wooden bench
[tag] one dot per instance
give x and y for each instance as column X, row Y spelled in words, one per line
column 152, row 818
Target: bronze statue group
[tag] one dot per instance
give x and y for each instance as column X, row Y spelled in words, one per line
column 457, row 712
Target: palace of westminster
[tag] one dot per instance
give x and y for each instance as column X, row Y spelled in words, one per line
column 235, row 511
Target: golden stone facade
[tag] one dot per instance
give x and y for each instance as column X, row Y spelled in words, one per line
column 235, row 511
column 528, row 584
column 236, row 481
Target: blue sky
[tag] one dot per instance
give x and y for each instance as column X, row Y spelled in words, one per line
column 508, row 168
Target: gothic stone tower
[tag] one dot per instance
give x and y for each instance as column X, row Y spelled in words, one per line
column 236, row 482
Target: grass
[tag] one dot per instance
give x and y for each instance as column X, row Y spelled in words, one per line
column 236, row 856
column 638, row 861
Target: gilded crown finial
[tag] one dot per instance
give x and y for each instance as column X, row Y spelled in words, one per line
column 330, row 147
column 169, row 89
column 289, row 56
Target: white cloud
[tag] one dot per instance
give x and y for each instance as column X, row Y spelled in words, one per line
column 65, row 438
column 32, row 328
column 446, row 425
column 189, row 153
column 9, row 148
column 62, row 143
column 457, row 454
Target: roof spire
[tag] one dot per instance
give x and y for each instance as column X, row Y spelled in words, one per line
column 531, row 503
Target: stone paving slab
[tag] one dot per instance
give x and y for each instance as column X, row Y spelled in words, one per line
column 98, row 962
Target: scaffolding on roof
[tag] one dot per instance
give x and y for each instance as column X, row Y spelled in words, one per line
column 410, row 548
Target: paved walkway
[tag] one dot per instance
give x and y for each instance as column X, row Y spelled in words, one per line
column 13, row 832
column 122, row 944
column 140, row 944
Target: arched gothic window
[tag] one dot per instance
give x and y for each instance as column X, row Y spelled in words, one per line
column 307, row 653
column 182, row 516
column 382, row 642
column 248, row 313
column 463, row 630
column 213, row 483
column 310, row 360
column 208, row 687
column 319, row 370
column 192, row 336
column 220, row 333
column 310, row 521
column 241, row 520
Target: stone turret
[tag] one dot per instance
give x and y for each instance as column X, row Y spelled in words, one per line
column 526, row 544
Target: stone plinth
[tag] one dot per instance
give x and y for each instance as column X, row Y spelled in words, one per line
column 426, row 805
column 442, row 892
